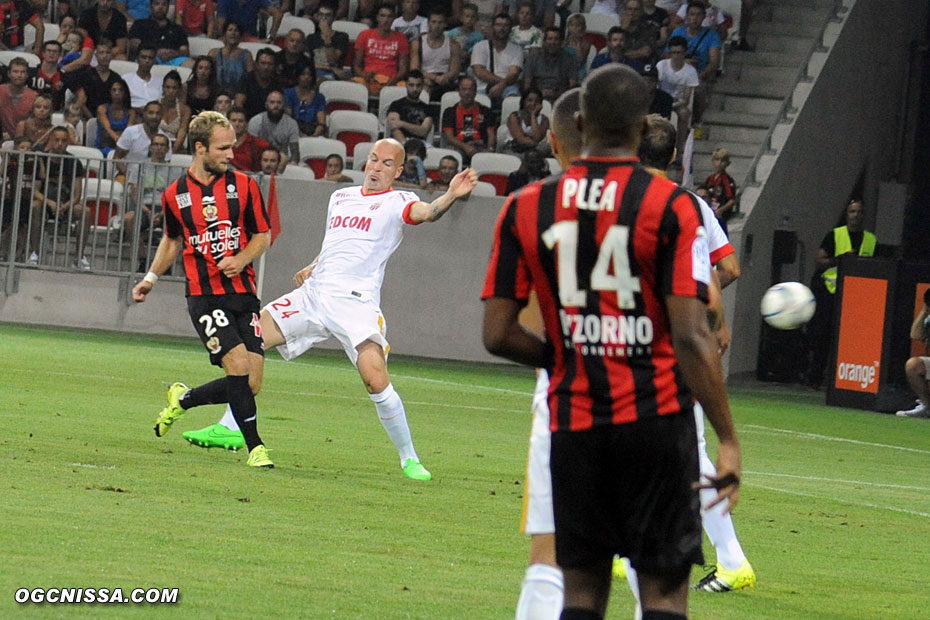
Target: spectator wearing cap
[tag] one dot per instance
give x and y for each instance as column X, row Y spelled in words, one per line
column 382, row 56
column 552, row 69
column 661, row 100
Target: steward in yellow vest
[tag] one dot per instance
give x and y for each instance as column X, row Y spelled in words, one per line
column 847, row 239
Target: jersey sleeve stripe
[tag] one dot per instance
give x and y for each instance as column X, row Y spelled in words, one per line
column 406, row 214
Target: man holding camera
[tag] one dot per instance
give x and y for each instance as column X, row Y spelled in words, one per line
column 918, row 368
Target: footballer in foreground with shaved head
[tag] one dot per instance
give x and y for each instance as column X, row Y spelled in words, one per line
column 619, row 261
column 339, row 293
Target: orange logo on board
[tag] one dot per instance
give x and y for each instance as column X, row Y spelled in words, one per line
column 862, row 325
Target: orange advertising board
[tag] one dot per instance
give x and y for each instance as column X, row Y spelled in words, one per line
column 917, row 347
column 862, row 323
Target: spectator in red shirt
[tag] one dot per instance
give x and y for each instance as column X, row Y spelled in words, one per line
column 719, row 189
column 16, row 98
column 14, row 15
column 382, row 56
column 196, row 17
column 247, row 152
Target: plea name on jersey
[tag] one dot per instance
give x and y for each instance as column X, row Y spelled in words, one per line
column 589, row 194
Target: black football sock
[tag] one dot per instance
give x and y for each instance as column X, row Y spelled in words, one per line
column 652, row 614
column 212, row 393
column 574, row 613
column 242, row 403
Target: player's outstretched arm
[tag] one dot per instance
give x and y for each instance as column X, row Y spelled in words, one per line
column 460, row 186
column 696, row 350
column 168, row 248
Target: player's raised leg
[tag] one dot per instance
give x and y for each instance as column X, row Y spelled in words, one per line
column 226, row 433
column 372, row 367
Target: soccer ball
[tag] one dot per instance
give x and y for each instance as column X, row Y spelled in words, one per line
column 788, row 305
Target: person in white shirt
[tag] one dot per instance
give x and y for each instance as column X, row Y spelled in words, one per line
column 606, row 7
column 409, row 23
column 143, row 86
column 135, row 141
column 679, row 79
column 496, row 62
column 339, row 293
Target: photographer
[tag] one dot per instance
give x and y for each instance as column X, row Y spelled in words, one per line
column 918, row 368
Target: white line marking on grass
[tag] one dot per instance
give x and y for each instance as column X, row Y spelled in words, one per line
column 841, row 500
column 91, row 466
column 839, row 480
column 830, row 438
column 409, row 402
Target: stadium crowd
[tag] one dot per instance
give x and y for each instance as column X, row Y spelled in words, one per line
column 464, row 79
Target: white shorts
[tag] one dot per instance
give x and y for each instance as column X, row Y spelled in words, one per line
column 306, row 316
column 537, row 502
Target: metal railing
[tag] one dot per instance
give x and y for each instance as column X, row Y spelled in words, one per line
column 64, row 212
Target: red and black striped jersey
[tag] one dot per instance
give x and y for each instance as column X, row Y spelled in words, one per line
column 603, row 245
column 215, row 221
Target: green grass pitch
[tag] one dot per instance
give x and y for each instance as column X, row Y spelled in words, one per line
column 834, row 516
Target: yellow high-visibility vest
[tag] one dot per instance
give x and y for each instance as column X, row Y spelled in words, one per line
column 843, row 244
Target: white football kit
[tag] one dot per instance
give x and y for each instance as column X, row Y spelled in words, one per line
column 342, row 296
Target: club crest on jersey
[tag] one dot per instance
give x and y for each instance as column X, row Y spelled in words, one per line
column 210, row 212
column 213, row 345
column 184, row 200
column 231, row 192
column 374, row 206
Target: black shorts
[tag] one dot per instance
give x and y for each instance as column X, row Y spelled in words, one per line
column 626, row 490
column 226, row 321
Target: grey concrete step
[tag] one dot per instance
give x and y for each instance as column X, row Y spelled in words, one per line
column 734, row 58
column 784, row 44
column 738, row 119
column 755, row 87
column 823, row 4
column 715, row 139
column 791, row 14
column 744, row 105
column 805, row 29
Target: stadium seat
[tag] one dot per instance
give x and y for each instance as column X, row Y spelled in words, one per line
column 360, row 155
column 300, row 173
column 353, row 29
column 255, row 46
column 485, row 190
column 289, row 22
column 494, row 168
column 201, row 46
column 433, row 156
column 181, row 160
column 90, row 132
column 344, row 95
column 554, row 166
column 104, row 199
column 358, row 176
column 163, row 70
column 52, row 30
column 7, row 145
column 91, row 158
column 314, row 151
column 597, row 25
column 7, row 55
column 122, row 67
column 352, row 127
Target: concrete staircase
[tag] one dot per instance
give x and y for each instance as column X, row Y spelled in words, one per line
column 747, row 98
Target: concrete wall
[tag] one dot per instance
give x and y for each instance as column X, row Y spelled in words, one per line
column 847, row 123
column 430, row 295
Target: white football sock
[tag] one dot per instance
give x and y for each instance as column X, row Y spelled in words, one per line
column 719, row 526
column 394, row 420
column 541, row 593
column 632, row 579
column 228, row 420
